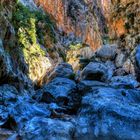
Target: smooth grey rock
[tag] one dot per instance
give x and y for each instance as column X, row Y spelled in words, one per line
column 59, row 88
column 110, row 114
column 40, row 128
column 24, row 110
column 95, row 71
column 107, row 51
column 86, row 85
column 128, row 81
column 64, row 70
column 61, row 91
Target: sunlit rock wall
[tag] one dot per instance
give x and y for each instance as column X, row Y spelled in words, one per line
column 27, row 46
column 78, row 17
column 123, row 19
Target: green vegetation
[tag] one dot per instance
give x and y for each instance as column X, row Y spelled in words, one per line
column 76, row 46
column 28, row 31
column 106, row 30
column 105, row 39
column 127, row 26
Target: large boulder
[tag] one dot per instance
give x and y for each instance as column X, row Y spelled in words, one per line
column 95, row 71
column 61, row 91
column 128, row 81
column 87, row 85
column 64, row 70
column 109, row 113
column 40, row 128
column 25, row 109
column 107, row 51
column 8, row 97
column 16, row 108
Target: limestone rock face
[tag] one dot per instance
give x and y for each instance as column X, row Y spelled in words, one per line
column 123, row 22
column 23, row 55
column 76, row 16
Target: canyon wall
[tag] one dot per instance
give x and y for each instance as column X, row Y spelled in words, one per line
column 124, row 22
column 96, row 22
column 39, row 44
column 82, row 18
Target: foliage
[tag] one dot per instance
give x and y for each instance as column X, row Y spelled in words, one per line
column 106, row 30
column 105, row 39
column 127, row 26
column 75, row 46
column 28, row 32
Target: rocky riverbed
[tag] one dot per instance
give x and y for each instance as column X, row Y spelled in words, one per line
column 69, row 70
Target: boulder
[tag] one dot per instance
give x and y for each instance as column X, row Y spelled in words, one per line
column 8, row 97
column 95, row 71
column 127, row 81
column 8, row 94
column 16, row 109
column 107, row 51
column 61, row 91
column 87, row 85
column 108, row 113
column 120, row 59
column 119, row 72
column 40, row 128
column 61, row 70
column 25, row 109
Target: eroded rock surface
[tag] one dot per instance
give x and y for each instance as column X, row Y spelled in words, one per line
column 42, row 97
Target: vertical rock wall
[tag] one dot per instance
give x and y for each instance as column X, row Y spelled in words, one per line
column 75, row 16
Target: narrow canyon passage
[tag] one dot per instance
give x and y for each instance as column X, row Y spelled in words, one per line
column 69, row 70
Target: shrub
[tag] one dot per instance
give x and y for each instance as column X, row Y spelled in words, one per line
column 75, row 46
column 28, row 32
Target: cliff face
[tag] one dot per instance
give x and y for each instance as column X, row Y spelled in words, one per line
column 124, row 22
column 39, row 43
column 82, row 18
column 42, row 97
column 28, row 43
column 96, row 21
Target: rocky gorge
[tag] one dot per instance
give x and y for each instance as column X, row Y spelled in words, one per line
column 69, row 70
